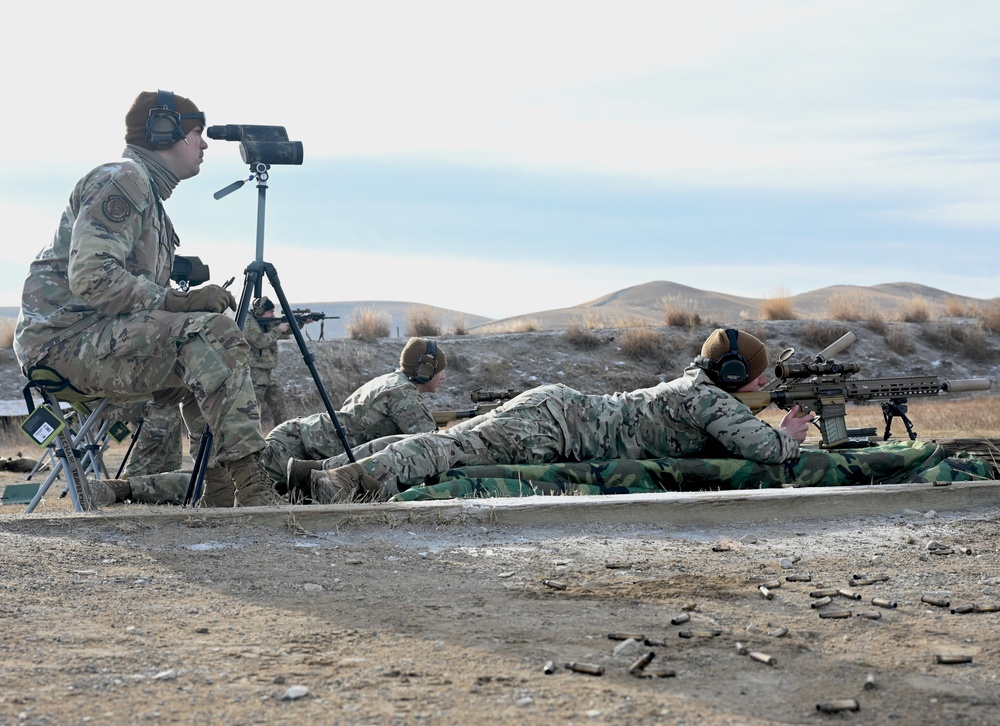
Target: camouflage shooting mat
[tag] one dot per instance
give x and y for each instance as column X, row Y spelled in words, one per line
column 897, row 462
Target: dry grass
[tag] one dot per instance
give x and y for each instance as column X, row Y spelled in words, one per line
column 460, row 326
column 779, row 306
column 422, row 322
column 643, row 344
column 7, row 326
column 915, row 310
column 820, row 335
column 851, row 307
column 368, row 324
column 582, row 338
column 989, row 314
column 680, row 312
column 514, row 325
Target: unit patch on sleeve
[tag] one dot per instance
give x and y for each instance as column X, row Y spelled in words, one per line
column 116, row 208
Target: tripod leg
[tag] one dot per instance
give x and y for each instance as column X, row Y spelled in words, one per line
column 308, row 357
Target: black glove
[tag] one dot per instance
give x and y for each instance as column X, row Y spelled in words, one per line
column 208, row 299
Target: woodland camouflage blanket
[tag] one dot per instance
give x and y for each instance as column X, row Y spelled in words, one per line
column 895, row 462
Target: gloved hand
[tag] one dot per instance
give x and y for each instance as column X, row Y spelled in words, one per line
column 208, row 299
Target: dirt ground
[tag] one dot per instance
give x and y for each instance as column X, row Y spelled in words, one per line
column 165, row 615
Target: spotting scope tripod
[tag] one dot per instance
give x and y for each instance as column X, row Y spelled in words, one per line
column 252, row 288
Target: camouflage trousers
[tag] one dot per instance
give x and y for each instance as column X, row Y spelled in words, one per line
column 197, row 359
column 530, row 432
column 160, row 446
column 311, row 437
column 168, row 487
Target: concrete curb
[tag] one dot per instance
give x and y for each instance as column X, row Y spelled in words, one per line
column 681, row 510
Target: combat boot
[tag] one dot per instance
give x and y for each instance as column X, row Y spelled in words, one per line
column 298, row 474
column 220, row 491
column 344, row 484
column 253, row 486
column 110, row 491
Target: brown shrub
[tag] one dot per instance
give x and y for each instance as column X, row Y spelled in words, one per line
column 7, row 326
column 915, row 310
column 642, row 344
column 581, row 338
column 778, row 307
column 850, row 306
column 680, row 312
column 422, row 323
column 989, row 314
column 368, row 324
column 820, row 335
column 899, row 341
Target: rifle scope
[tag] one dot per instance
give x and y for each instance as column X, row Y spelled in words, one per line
column 785, row 371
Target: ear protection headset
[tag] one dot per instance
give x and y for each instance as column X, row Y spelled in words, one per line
column 427, row 365
column 731, row 369
column 164, row 127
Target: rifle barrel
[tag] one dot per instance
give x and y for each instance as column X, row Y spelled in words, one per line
column 966, row 384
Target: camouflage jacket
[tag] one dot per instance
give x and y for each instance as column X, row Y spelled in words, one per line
column 112, row 254
column 688, row 416
column 263, row 342
column 389, row 404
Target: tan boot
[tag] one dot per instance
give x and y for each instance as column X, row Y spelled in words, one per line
column 220, row 491
column 110, row 491
column 298, row 474
column 254, row 487
column 344, row 484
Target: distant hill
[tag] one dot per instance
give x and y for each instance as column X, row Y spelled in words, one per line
column 643, row 304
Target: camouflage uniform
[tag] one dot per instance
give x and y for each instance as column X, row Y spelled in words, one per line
column 160, row 446
column 263, row 340
column 688, row 416
column 385, row 406
column 92, row 304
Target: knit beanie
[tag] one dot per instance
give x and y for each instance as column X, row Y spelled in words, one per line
column 138, row 115
column 262, row 304
column 418, row 363
column 751, row 348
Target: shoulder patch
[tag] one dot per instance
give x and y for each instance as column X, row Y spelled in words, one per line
column 116, row 208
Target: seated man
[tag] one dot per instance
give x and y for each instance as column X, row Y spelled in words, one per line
column 694, row 415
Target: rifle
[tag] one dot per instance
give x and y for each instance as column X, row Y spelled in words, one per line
column 824, row 387
column 302, row 316
column 486, row 400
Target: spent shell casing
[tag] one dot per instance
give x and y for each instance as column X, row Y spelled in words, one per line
column 741, row 649
column 589, row 668
column 990, row 608
column 768, row 595
column 870, row 682
column 949, row 659
column 835, row 614
column 699, row 633
column 762, row 657
column 822, row 602
column 654, row 642
column 963, row 609
column 870, row 614
column 938, row 602
column 883, row 603
column 778, row 632
column 798, row 578
column 626, row 636
column 862, row 582
column 849, row 594
column 941, row 483
column 772, row 584
column 841, row 704
column 941, row 551
column 549, row 668
column 655, row 673
column 682, row 618
column 554, row 584
column 641, row 662
column 825, row 592
column 721, row 548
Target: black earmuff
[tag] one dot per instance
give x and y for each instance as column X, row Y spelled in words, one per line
column 165, row 126
column 427, row 365
column 731, row 369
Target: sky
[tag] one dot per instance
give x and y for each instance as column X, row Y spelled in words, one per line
column 508, row 158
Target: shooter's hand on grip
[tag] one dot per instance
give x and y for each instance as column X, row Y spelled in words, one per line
column 209, row 299
column 796, row 424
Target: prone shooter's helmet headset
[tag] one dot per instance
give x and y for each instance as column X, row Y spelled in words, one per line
column 426, row 364
column 730, row 371
column 165, row 126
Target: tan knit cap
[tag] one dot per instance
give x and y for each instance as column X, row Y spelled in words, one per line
column 751, row 348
